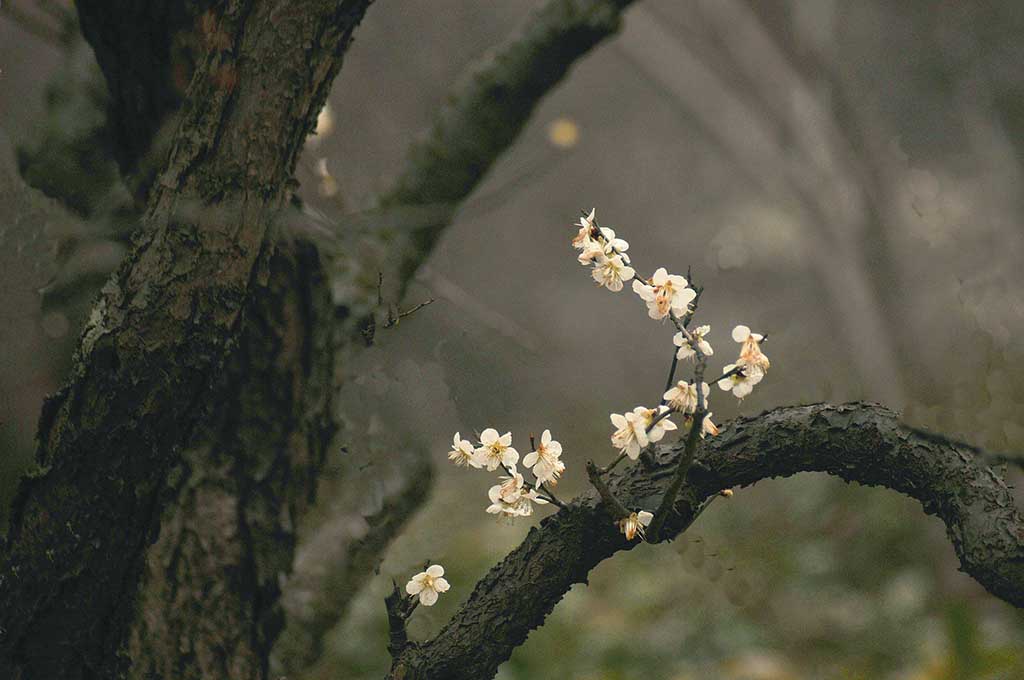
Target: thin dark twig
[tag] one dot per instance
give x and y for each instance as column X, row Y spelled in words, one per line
column 614, row 506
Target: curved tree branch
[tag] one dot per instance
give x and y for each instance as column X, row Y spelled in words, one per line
column 858, row 442
column 488, row 109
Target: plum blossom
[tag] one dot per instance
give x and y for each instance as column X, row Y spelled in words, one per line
column 428, row 584
column 686, row 350
column 634, row 524
column 750, row 349
column 610, row 272
column 512, row 498
column 463, row 454
column 586, row 232
column 740, row 384
column 683, row 397
column 665, row 293
column 495, row 450
column 545, row 461
column 631, row 434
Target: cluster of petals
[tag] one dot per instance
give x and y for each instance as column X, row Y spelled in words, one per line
column 601, row 248
column 512, row 498
column 428, row 584
column 740, row 384
column 495, row 450
column 463, row 454
column 631, row 429
column 683, row 397
column 665, row 293
column 634, row 524
column 686, row 349
column 752, row 364
column 751, row 355
column 545, row 462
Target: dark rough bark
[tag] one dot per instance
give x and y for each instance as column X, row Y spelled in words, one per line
column 857, row 442
column 490, row 107
column 158, row 336
column 148, row 51
column 209, row 606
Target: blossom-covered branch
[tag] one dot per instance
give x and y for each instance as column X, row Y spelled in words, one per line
column 859, row 442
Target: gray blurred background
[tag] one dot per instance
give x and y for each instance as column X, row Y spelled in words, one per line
column 843, row 176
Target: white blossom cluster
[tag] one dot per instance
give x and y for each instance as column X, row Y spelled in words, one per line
column 666, row 296
column 512, row 497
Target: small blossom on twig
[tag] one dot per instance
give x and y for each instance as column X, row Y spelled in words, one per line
column 686, row 351
column 634, row 524
column 512, row 499
column 495, row 451
column 665, row 293
column 740, row 384
column 610, row 272
column 750, row 349
column 586, row 232
column 683, row 397
column 631, row 433
column 546, row 461
column 463, row 454
column 428, row 584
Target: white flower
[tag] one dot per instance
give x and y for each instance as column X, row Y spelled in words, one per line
column 708, row 427
column 661, row 427
column 545, row 461
column 585, row 235
column 631, row 433
column 635, row 523
column 462, row 453
column 427, row 584
column 740, row 384
column 495, row 450
column 610, row 272
column 613, row 245
column 592, row 251
column 686, row 351
column 512, row 499
column 750, row 349
column 683, row 397
column 665, row 293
